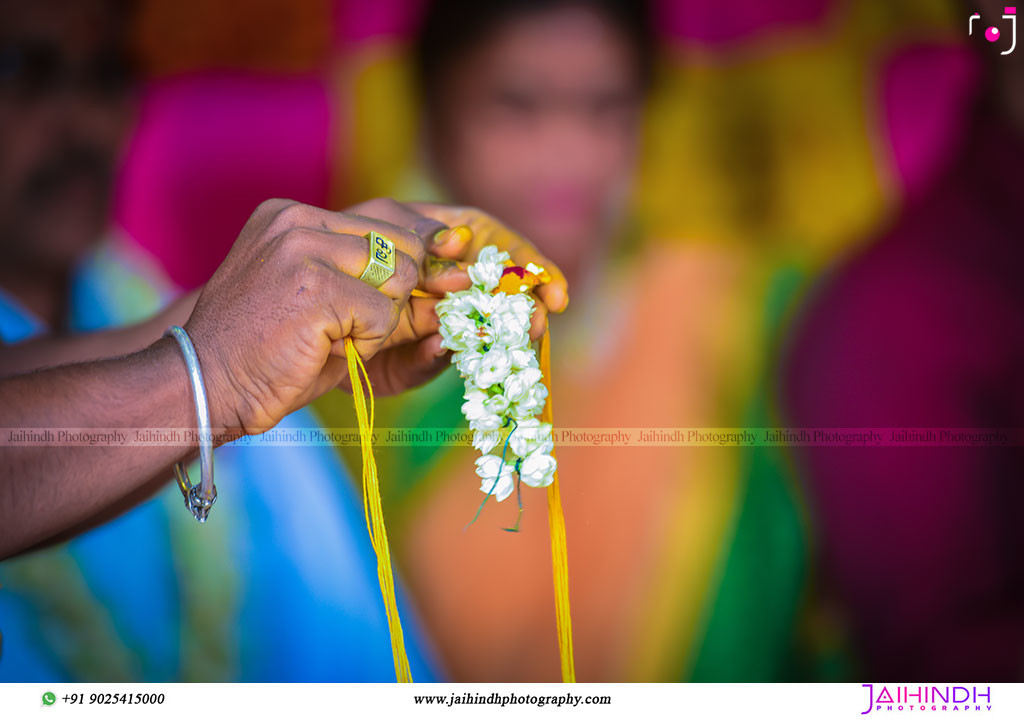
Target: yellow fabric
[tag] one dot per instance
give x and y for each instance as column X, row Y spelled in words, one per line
column 372, row 507
column 556, row 523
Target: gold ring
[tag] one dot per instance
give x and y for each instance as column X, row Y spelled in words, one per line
column 381, row 266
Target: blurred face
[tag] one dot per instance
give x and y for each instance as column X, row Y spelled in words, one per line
column 539, row 125
column 63, row 112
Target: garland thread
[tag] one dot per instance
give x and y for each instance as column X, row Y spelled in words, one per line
column 372, row 508
column 556, row 526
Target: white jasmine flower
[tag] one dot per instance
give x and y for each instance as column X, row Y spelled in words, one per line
column 530, row 436
column 490, row 255
column 467, row 361
column 485, row 441
column 523, row 358
column 517, row 386
column 488, row 268
column 522, row 305
column 458, row 302
column 485, row 276
column 497, row 403
column 494, row 367
column 538, row 469
column 532, row 404
column 459, row 332
column 481, row 418
column 508, row 331
column 486, row 423
column 474, row 405
column 484, row 303
column 496, row 477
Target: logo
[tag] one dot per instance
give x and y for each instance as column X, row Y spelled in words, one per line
column 49, row 698
column 928, row 698
column 383, row 248
column 993, row 33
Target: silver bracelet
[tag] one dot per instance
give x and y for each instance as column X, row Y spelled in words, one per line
column 198, row 498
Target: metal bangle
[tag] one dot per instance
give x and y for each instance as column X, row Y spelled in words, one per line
column 198, row 498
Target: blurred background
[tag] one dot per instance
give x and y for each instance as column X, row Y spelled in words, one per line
column 792, row 127
column 702, row 170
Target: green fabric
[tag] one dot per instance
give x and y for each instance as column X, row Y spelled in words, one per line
column 751, row 618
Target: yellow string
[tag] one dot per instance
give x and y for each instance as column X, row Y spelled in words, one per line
column 379, row 538
column 556, row 525
column 372, row 508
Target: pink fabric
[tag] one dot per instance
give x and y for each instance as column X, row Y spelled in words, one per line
column 356, row 20
column 208, row 148
column 704, row 21
column 717, row 23
column 921, row 546
column 925, row 93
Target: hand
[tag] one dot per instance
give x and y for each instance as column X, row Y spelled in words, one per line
column 412, row 354
column 485, row 230
column 269, row 326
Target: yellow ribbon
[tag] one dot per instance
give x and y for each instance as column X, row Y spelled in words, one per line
column 556, row 526
column 374, row 512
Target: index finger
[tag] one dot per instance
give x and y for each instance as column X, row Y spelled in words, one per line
column 296, row 215
column 402, row 215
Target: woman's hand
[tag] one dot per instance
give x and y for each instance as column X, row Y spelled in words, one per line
column 485, row 230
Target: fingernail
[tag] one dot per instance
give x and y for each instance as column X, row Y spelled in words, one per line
column 461, row 233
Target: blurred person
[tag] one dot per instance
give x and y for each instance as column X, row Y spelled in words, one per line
column 533, row 111
column 144, row 597
column 537, row 115
column 922, row 331
column 65, row 111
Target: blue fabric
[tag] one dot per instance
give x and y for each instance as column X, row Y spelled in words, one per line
column 279, row 585
column 16, row 324
column 311, row 576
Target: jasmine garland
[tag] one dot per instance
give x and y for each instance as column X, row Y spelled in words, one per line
column 487, row 326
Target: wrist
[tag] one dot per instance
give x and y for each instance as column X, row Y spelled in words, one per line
column 168, row 367
column 199, row 497
column 226, row 418
column 160, row 367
